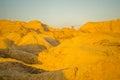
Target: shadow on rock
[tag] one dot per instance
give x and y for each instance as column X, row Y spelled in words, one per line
column 26, row 53
column 19, row 71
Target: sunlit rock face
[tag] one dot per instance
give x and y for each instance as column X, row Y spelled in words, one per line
column 106, row 26
column 37, row 51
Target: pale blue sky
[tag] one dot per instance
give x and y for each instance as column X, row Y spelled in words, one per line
column 60, row 12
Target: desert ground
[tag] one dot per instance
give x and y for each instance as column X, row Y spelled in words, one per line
column 36, row 51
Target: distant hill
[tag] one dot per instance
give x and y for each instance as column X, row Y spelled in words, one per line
column 112, row 26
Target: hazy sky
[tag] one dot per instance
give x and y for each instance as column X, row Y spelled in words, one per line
column 60, row 12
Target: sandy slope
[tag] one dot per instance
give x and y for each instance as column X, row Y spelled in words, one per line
column 91, row 55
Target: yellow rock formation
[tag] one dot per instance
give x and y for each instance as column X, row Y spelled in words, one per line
column 106, row 26
column 90, row 53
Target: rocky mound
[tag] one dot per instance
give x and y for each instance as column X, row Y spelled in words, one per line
column 112, row 26
column 25, row 40
column 92, row 47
